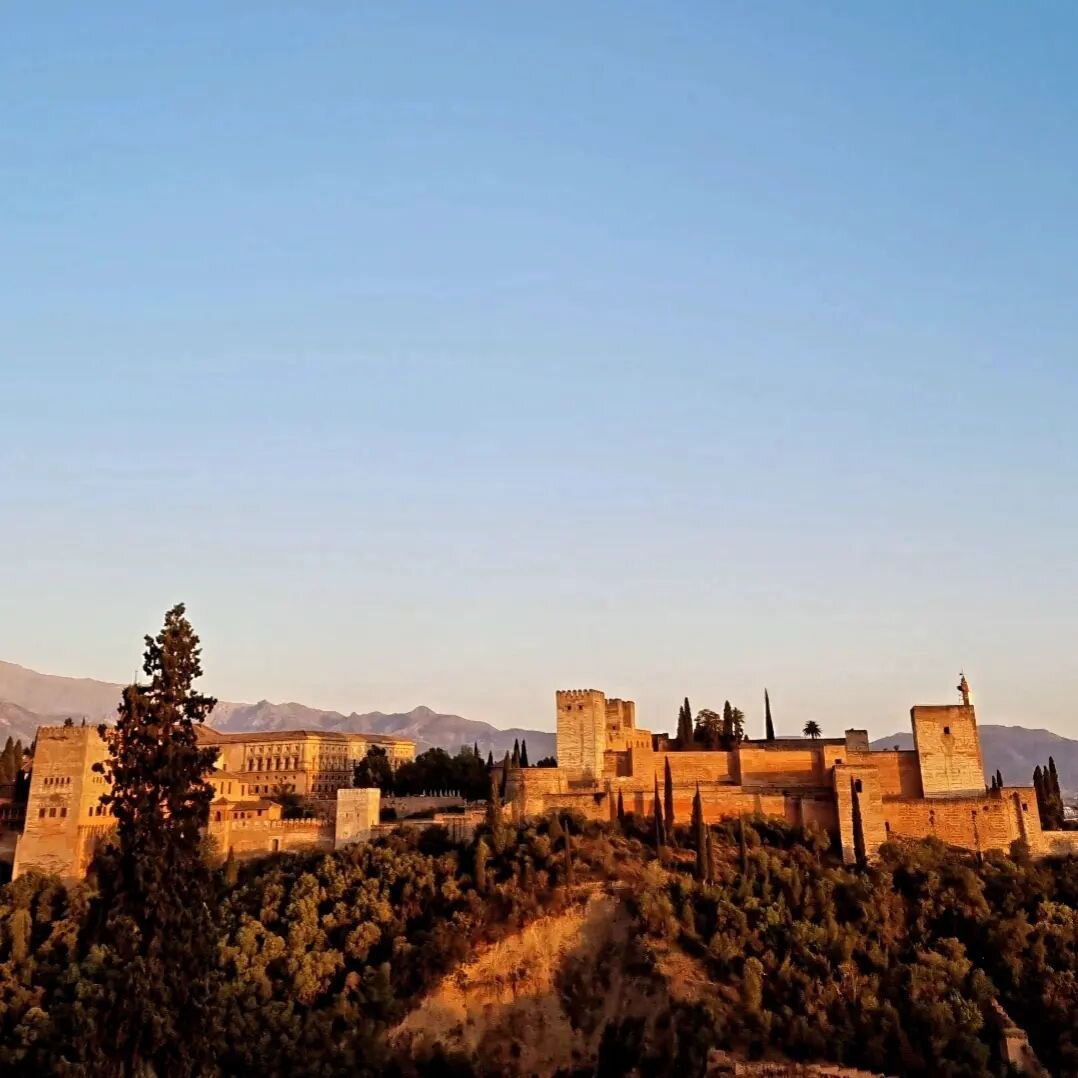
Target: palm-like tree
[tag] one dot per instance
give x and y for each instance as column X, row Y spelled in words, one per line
column 812, row 729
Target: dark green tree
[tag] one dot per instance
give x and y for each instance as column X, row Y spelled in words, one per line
column 727, row 726
column 152, row 919
column 8, row 765
column 768, row 723
column 737, row 721
column 475, row 750
column 524, row 754
column 515, row 761
column 668, row 803
column 621, row 808
column 490, row 759
column 812, row 729
column 699, row 832
column 708, row 731
column 657, row 812
column 494, row 805
column 1040, row 791
column 374, row 770
column 684, row 726
column 999, row 779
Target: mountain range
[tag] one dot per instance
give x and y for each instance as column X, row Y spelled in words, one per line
column 29, row 699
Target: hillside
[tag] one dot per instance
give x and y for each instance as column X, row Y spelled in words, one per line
column 576, row 948
column 29, row 699
column 1015, row 751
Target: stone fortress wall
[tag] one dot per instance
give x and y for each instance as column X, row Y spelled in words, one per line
column 861, row 797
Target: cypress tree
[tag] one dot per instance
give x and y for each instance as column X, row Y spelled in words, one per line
column 1042, row 800
column 999, row 779
column 621, row 808
column 1054, row 795
column 523, row 754
column 515, row 762
column 8, row 768
column 699, row 832
column 475, row 749
column 490, row 759
column 494, row 805
column 657, row 812
column 769, row 725
column 727, row 725
column 668, row 803
column 152, row 916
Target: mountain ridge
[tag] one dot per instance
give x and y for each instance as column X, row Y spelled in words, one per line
column 29, row 699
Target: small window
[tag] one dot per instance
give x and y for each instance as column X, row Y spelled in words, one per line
column 1025, row 807
column 947, row 730
column 63, row 811
column 42, row 814
column 857, row 786
column 887, row 826
column 52, row 812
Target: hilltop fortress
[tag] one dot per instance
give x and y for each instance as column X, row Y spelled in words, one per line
column 860, row 797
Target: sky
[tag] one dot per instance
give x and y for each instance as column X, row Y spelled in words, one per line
column 452, row 354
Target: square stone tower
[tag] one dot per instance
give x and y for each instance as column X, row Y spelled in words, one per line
column 581, row 730
column 948, row 750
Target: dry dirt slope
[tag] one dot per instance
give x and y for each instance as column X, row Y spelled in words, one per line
column 539, row 1001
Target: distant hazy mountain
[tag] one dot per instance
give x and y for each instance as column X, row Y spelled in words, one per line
column 29, row 699
column 1014, row 751
column 18, row 723
column 47, row 694
column 428, row 728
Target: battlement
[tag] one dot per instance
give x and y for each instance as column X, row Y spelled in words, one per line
column 577, row 694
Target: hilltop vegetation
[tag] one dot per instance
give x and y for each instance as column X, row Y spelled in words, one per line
column 319, row 956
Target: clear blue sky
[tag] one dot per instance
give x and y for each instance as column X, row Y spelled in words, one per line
column 456, row 353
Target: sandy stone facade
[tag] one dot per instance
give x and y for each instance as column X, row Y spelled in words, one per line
column 65, row 820
column 861, row 797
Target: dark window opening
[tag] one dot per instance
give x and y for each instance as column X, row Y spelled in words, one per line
column 947, row 730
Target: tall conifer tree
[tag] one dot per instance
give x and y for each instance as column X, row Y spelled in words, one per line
column 1041, row 793
column 668, row 803
column 727, row 726
column 152, row 917
column 699, row 833
column 523, row 754
column 657, row 812
column 769, row 725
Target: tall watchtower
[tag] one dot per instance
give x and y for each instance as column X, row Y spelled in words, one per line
column 949, row 747
column 581, row 730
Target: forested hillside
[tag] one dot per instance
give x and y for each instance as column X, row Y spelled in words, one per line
column 783, row 953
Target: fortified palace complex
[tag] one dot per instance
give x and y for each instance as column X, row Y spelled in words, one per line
column 65, row 819
column 861, row 797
